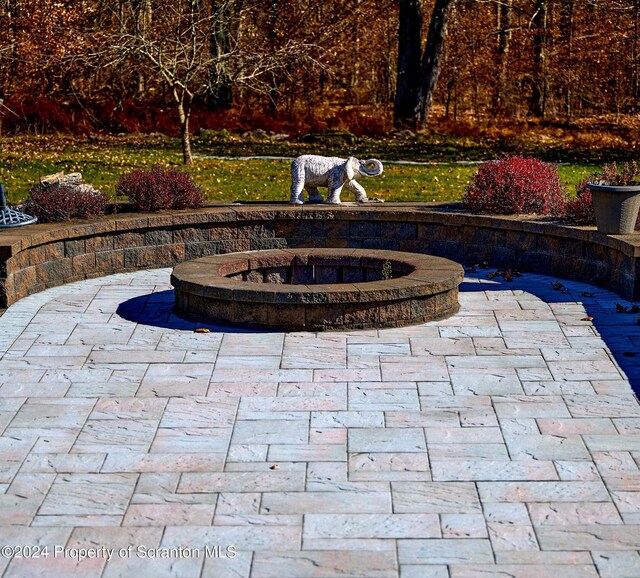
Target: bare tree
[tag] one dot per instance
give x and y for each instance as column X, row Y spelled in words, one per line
column 175, row 46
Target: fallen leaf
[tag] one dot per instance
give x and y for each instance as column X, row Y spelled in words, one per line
column 587, row 319
column 202, row 330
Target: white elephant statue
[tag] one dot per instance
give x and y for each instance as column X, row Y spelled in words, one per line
column 312, row 171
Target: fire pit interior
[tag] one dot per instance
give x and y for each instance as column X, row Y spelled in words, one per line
column 317, row 289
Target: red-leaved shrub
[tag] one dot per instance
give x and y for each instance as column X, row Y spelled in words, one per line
column 160, row 189
column 515, row 185
column 56, row 202
column 579, row 211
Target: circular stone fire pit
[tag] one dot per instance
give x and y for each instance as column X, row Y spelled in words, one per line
column 318, row 289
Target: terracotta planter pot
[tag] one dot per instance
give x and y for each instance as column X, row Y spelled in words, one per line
column 616, row 207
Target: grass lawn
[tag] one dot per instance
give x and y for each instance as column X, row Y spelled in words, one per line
column 102, row 160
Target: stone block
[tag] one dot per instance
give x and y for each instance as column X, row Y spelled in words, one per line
column 376, row 244
column 6, row 283
column 20, row 261
column 23, row 280
column 277, row 275
column 371, row 274
column 491, row 237
column 396, row 311
column 158, row 237
column 266, row 244
column 413, row 246
column 160, row 256
column 99, row 243
column 285, row 229
column 195, row 250
column 202, row 216
column 264, row 230
column 73, row 247
column 520, row 240
column 82, row 264
column 267, row 259
column 211, row 309
column 320, row 316
column 428, row 231
column 109, row 261
column 51, row 271
column 234, row 246
column 399, row 231
column 128, row 239
column 442, row 232
column 333, row 257
column 302, row 274
column 550, row 245
column 36, row 255
column 332, row 229
column 448, row 249
column 364, row 229
column 128, row 223
column 53, row 251
column 287, row 316
column 352, row 274
column 191, row 235
column 254, row 276
column 423, row 308
column 326, row 274
column 360, row 315
column 251, row 314
column 223, row 232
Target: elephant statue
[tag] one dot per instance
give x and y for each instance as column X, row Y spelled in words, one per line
column 312, row 171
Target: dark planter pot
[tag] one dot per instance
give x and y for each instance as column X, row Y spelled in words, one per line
column 616, row 207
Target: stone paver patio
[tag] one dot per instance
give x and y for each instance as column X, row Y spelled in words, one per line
column 502, row 441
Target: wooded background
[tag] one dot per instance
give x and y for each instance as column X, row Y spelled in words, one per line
column 287, row 65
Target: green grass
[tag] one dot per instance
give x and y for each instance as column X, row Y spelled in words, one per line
column 102, row 161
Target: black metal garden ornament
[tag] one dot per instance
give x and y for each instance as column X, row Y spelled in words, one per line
column 10, row 217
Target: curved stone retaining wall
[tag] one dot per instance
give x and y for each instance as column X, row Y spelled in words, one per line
column 35, row 257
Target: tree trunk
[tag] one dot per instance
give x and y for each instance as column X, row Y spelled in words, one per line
column 539, row 84
column 355, row 54
column 504, row 40
column 432, row 58
column 409, row 53
column 274, row 41
column 635, row 75
column 11, row 74
column 566, row 31
column 184, row 112
column 224, row 13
